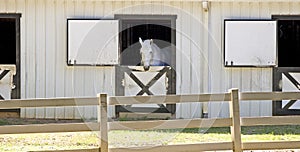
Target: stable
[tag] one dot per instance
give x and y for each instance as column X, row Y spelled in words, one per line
column 79, row 48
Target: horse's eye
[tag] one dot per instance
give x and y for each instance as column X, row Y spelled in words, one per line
column 151, row 52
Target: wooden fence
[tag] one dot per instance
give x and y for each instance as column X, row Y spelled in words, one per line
column 235, row 121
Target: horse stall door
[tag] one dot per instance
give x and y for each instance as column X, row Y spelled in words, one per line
column 7, row 72
column 286, row 80
column 158, row 88
column 6, row 81
column 137, row 82
column 289, row 86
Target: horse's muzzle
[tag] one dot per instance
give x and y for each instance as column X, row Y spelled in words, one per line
column 146, row 68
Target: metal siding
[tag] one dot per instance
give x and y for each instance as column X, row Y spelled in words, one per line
column 30, row 53
column 179, row 107
column 52, row 78
column 185, row 54
column 215, row 72
column 246, row 86
column 246, row 106
column 90, row 112
column 68, row 88
column 196, row 56
column 40, row 55
column 50, row 54
column 59, row 59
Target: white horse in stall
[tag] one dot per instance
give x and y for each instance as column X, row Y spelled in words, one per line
column 152, row 55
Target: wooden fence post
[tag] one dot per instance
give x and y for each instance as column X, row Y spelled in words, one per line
column 103, row 123
column 235, row 128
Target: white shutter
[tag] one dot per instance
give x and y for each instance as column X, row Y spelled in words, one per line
column 93, row 42
column 250, row 43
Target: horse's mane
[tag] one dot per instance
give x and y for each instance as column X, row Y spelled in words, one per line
column 164, row 54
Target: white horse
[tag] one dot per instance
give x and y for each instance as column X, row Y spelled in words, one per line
column 152, row 55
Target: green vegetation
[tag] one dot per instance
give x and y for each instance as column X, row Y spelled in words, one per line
column 252, row 130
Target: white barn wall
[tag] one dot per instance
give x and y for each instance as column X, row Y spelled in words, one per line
column 246, row 79
column 199, row 41
column 44, row 70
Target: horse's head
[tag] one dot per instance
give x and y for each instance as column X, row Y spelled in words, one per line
column 146, row 53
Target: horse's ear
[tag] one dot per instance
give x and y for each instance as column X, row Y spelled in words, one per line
column 151, row 41
column 141, row 41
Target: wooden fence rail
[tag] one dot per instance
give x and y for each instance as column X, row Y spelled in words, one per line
column 234, row 122
column 234, row 97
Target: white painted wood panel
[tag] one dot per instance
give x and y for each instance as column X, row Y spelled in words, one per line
column 40, row 65
column 78, row 73
column 50, row 54
column 93, row 42
column 246, row 87
column 266, row 106
column 60, row 27
column 255, row 85
column 11, row 6
column 287, row 85
column 68, row 111
column 185, row 54
column 89, row 89
column 6, row 82
column 179, row 107
column 109, row 86
column 30, row 53
column 196, row 56
column 250, row 43
column 158, row 88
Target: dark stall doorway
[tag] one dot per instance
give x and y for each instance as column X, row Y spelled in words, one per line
column 10, row 50
column 8, row 40
column 132, row 30
column 159, row 28
column 288, row 43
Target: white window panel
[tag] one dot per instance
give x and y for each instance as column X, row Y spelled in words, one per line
column 93, row 42
column 250, row 43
